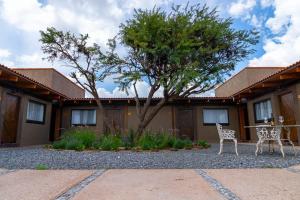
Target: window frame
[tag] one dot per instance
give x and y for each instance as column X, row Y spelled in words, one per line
column 44, row 113
column 82, row 109
column 213, row 124
column 254, row 110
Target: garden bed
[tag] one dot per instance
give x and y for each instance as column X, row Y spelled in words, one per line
column 85, row 139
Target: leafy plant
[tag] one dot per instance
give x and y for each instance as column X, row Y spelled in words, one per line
column 110, row 142
column 179, row 144
column 129, row 139
column 41, row 167
column 203, row 144
column 76, row 139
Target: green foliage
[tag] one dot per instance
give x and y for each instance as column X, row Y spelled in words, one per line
column 203, row 144
column 186, row 50
column 60, row 144
column 76, row 139
column 129, row 139
column 179, row 144
column 110, row 142
column 41, row 167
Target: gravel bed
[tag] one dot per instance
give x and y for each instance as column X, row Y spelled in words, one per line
column 30, row 157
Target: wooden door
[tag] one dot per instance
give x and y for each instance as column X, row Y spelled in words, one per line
column 185, row 123
column 10, row 119
column 115, row 119
column 287, row 107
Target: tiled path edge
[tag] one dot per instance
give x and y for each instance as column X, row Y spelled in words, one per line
column 6, row 171
column 225, row 192
column 79, row 186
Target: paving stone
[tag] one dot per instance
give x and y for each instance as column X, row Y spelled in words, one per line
column 259, row 184
column 38, row 184
column 158, row 184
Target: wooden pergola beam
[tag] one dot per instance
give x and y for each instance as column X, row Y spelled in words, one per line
column 289, row 76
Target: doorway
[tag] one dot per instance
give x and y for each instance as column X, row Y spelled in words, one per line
column 185, row 123
column 115, row 118
column 10, row 119
column 287, row 106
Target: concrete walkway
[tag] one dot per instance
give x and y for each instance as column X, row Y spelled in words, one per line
column 158, row 184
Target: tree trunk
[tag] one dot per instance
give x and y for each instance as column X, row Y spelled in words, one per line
column 105, row 119
column 143, row 122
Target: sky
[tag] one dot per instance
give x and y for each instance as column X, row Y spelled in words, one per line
column 278, row 23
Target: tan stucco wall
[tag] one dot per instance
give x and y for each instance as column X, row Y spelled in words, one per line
column 54, row 80
column 209, row 132
column 28, row 133
column 163, row 120
column 243, row 79
column 32, row 133
column 274, row 96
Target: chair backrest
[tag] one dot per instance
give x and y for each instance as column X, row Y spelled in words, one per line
column 219, row 128
column 268, row 134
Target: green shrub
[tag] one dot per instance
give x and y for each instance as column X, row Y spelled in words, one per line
column 203, row 144
column 86, row 136
column 179, row 144
column 164, row 140
column 76, row 139
column 110, row 142
column 61, row 144
column 147, row 141
column 129, row 139
column 41, row 167
column 188, row 144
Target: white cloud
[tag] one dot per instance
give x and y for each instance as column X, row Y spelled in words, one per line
column 282, row 49
column 266, row 3
column 98, row 18
column 241, row 7
column 142, row 88
column 32, row 60
column 5, row 55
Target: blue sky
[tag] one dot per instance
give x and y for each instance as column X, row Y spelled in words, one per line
column 278, row 22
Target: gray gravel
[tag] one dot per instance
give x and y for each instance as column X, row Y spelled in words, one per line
column 30, row 157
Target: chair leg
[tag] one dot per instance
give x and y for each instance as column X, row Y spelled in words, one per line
column 257, row 147
column 235, row 144
column 281, row 148
column 221, row 147
column 261, row 146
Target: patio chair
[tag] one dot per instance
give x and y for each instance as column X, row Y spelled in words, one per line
column 226, row 134
column 265, row 134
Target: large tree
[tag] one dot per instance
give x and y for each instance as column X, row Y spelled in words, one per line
column 184, row 52
column 86, row 60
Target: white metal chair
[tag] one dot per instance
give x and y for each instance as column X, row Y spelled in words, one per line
column 226, row 134
column 268, row 134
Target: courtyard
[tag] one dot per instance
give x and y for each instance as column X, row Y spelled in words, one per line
column 31, row 157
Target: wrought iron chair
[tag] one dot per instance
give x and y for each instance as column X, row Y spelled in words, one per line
column 267, row 134
column 226, row 134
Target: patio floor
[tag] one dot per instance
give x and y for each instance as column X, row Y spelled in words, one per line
column 159, row 184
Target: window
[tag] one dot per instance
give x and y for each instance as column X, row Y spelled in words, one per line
column 35, row 112
column 83, row 117
column 213, row 116
column 262, row 110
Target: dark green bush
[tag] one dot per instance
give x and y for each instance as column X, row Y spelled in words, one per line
column 179, row 144
column 129, row 139
column 61, row 144
column 203, row 144
column 188, row 144
column 110, row 142
column 76, row 139
column 147, row 141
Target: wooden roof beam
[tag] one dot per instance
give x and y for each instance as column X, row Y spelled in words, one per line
column 28, row 85
column 44, row 92
column 289, row 76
